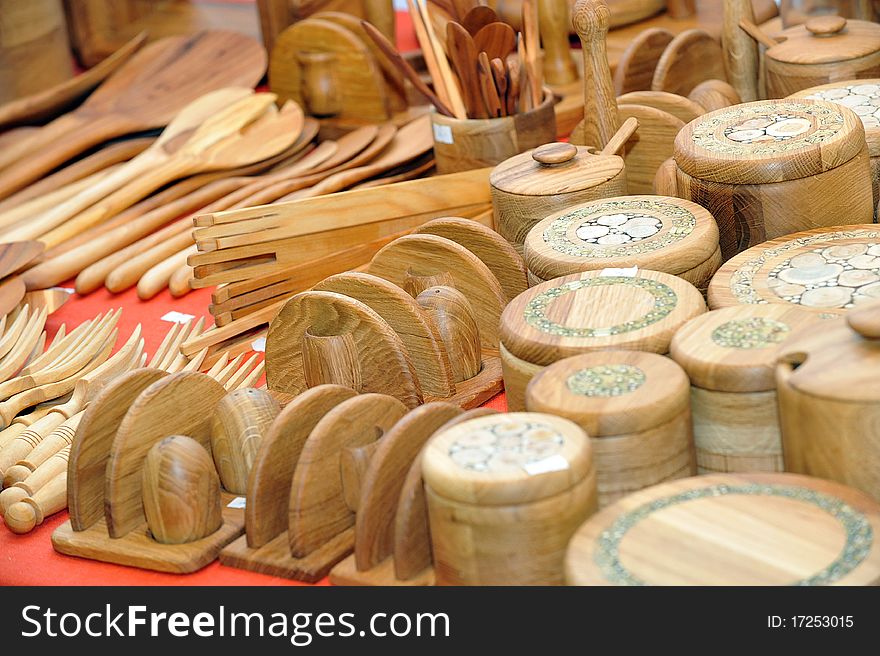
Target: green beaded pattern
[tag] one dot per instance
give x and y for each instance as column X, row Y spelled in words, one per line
column 742, row 280
column 859, row 534
column 682, row 223
column 751, row 333
column 504, row 445
column 606, row 380
column 535, row 313
column 827, row 123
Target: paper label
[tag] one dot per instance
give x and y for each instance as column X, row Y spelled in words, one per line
column 611, row 272
column 237, row 502
column 177, row 317
column 443, row 134
column 551, row 464
column 259, row 345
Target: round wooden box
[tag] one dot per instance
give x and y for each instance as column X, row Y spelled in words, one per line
column 635, row 408
column 532, row 185
column 652, row 232
column 505, row 494
column 730, row 357
column 731, row 529
column 465, row 144
column 824, row 49
column 591, row 311
column 829, row 400
column 863, row 97
column 770, row 168
column 827, row 270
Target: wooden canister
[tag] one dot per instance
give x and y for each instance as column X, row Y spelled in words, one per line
column 633, row 405
column 602, row 310
column 505, row 494
column 769, row 168
column 863, row 97
column 533, row 185
column 465, row 144
column 730, row 356
column 652, row 232
column 731, row 529
column 828, row 270
column 829, row 400
column 34, row 49
column 822, row 50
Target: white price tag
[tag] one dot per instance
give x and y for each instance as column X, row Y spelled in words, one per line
column 611, row 272
column 259, row 345
column 177, row 317
column 237, row 502
column 551, row 464
column 443, row 134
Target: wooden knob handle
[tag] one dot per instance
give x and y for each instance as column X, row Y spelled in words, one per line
column 590, row 20
column 825, row 25
column 865, row 320
column 554, row 153
column 10, row 496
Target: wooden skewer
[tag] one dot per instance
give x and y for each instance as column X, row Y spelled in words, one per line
column 429, row 54
column 449, row 82
column 531, row 36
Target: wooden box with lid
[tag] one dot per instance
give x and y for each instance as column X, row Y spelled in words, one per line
column 731, row 529
column 534, row 184
column 824, row 49
column 829, row 400
column 730, row 357
column 603, row 310
column 827, row 270
column 505, row 493
column 770, row 168
column 633, row 405
column 652, row 232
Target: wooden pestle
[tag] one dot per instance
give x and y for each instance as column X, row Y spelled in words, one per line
column 559, row 69
column 740, row 49
column 58, row 439
column 453, row 316
column 601, row 119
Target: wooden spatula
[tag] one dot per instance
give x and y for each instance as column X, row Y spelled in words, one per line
column 463, row 55
column 487, row 86
column 477, row 18
column 497, row 40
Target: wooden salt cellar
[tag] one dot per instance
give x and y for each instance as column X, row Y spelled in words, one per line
column 634, row 407
column 651, row 232
column 827, row 270
column 730, row 357
column 530, row 186
column 715, row 530
column 591, row 311
column 505, row 493
column 829, row 400
column 769, row 168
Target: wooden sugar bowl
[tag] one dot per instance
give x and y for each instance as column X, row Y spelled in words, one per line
column 465, row 144
column 730, row 357
column 716, row 530
column 592, row 311
column 552, row 177
column 827, row 270
column 829, row 400
column 633, row 405
column 863, row 97
column 770, row 168
column 822, row 50
column 652, row 232
column 505, row 494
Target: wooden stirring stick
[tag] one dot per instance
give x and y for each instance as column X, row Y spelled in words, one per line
column 623, row 134
column 487, row 86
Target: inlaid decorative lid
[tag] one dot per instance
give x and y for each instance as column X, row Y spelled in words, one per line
column 610, row 393
column 731, row 529
column 507, row 458
column 825, row 40
column 861, row 96
column 734, row 349
column 598, row 310
column 555, row 169
column 828, row 270
column 653, row 232
column 769, row 141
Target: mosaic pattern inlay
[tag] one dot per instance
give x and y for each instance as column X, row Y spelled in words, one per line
column 606, row 380
column 506, row 445
column 751, row 333
column 863, row 99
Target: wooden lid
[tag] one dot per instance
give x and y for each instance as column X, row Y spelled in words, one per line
column 826, row 39
column 598, row 310
column 654, row 232
column 768, row 141
column 731, row 529
column 611, row 393
column 555, row 169
column 861, row 96
column 841, row 361
column 507, row 459
column 826, row 270
column 734, row 349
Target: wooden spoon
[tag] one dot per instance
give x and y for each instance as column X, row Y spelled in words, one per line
column 477, row 18
column 144, row 94
column 51, row 102
column 497, row 40
column 463, row 54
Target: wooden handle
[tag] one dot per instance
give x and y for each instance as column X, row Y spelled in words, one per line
column 453, row 316
column 618, row 141
column 179, row 284
column 487, row 86
column 825, row 25
column 43, row 474
column 740, row 50
column 865, row 320
column 158, row 277
column 23, row 516
column 682, row 8
column 51, row 444
column 757, row 34
column 531, row 40
column 128, row 273
column 559, row 68
column 39, row 139
column 553, row 154
column 24, row 443
column 601, row 120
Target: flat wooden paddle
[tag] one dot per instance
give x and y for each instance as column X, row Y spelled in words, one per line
column 463, row 54
column 477, row 18
column 497, row 40
column 144, row 94
column 487, row 86
column 12, row 290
